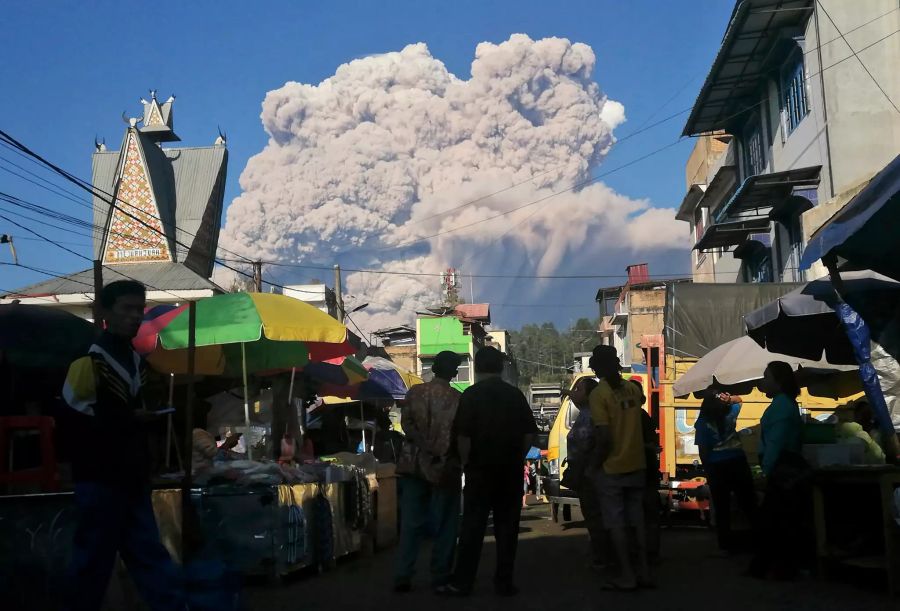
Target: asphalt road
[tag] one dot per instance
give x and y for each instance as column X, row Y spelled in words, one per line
column 553, row 573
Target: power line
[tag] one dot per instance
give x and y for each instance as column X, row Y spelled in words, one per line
column 588, row 181
column 69, row 250
column 538, row 175
column 47, row 273
column 673, row 276
column 858, row 58
column 355, row 326
column 90, row 188
column 95, row 191
column 537, row 201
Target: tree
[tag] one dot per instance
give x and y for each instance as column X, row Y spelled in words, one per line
column 546, row 355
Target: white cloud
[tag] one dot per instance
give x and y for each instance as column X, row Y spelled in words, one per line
column 363, row 161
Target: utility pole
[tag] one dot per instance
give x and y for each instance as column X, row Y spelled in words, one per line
column 257, row 276
column 8, row 239
column 98, row 286
column 338, row 293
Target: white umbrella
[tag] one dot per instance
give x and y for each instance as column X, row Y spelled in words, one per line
column 739, row 365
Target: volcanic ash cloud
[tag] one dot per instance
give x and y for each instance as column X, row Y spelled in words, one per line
column 367, row 162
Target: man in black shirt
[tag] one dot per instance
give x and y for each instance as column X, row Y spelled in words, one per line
column 111, row 468
column 495, row 429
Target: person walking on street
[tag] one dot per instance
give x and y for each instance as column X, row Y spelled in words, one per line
column 495, row 430
column 620, row 469
column 111, row 467
column 430, row 475
column 725, row 462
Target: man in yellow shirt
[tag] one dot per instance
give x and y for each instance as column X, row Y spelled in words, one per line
column 619, row 473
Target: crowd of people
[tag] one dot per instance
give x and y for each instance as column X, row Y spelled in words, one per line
column 482, row 436
column 462, row 453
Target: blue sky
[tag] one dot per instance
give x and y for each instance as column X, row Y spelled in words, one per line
column 70, row 69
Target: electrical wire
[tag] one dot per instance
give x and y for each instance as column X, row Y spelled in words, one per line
column 591, row 180
column 858, row 58
column 69, row 250
column 97, row 191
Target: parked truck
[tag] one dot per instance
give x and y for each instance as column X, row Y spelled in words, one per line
column 544, row 400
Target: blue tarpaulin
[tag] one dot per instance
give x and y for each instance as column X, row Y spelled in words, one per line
column 865, row 231
column 858, row 333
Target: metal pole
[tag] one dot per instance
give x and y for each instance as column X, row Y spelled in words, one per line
column 362, row 417
column 291, row 388
column 169, row 421
column 98, row 286
column 246, row 401
column 338, row 293
column 187, row 521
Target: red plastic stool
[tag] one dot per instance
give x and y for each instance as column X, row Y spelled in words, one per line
column 46, row 475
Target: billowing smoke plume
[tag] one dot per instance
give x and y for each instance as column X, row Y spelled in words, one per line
column 359, row 168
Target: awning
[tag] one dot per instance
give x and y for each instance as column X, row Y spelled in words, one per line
column 689, row 203
column 865, row 231
column 723, row 235
column 753, row 244
column 719, row 186
column 756, row 29
column 767, row 190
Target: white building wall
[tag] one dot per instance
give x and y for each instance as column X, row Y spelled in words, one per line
column 313, row 294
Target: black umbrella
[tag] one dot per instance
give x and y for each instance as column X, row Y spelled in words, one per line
column 42, row 336
column 803, row 323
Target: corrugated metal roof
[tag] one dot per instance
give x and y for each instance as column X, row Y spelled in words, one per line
column 478, row 311
column 199, row 191
column 733, row 83
column 103, row 177
column 163, row 276
column 161, row 179
column 195, row 183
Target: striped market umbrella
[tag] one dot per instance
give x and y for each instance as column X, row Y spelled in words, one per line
column 237, row 333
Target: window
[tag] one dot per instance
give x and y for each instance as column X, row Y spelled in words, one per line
column 794, row 103
column 788, row 236
column 758, row 266
column 700, row 219
column 754, row 161
column 462, row 375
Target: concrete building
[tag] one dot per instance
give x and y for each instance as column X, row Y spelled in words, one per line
column 459, row 329
column 399, row 344
column 632, row 316
column 160, row 210
column 500, row 340
column 581, row 362
column 801, row 98
column 317, row 295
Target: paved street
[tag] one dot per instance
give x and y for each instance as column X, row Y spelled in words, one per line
column 552, row 574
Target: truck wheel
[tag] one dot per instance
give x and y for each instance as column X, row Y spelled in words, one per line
column 567, row 513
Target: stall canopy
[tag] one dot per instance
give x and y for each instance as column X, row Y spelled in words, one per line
column 865, row 231
column 701, row 316
column 738, row 366
column 804, row 322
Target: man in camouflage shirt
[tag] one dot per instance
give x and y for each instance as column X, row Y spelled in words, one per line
column 430, row 470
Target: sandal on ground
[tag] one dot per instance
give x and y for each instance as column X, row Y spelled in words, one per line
column 451, row 591
column 612, row 586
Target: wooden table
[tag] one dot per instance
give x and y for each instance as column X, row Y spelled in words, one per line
column 886, row 478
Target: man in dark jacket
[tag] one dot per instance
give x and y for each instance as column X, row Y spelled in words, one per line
column 495, row 429
column 111, row 464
